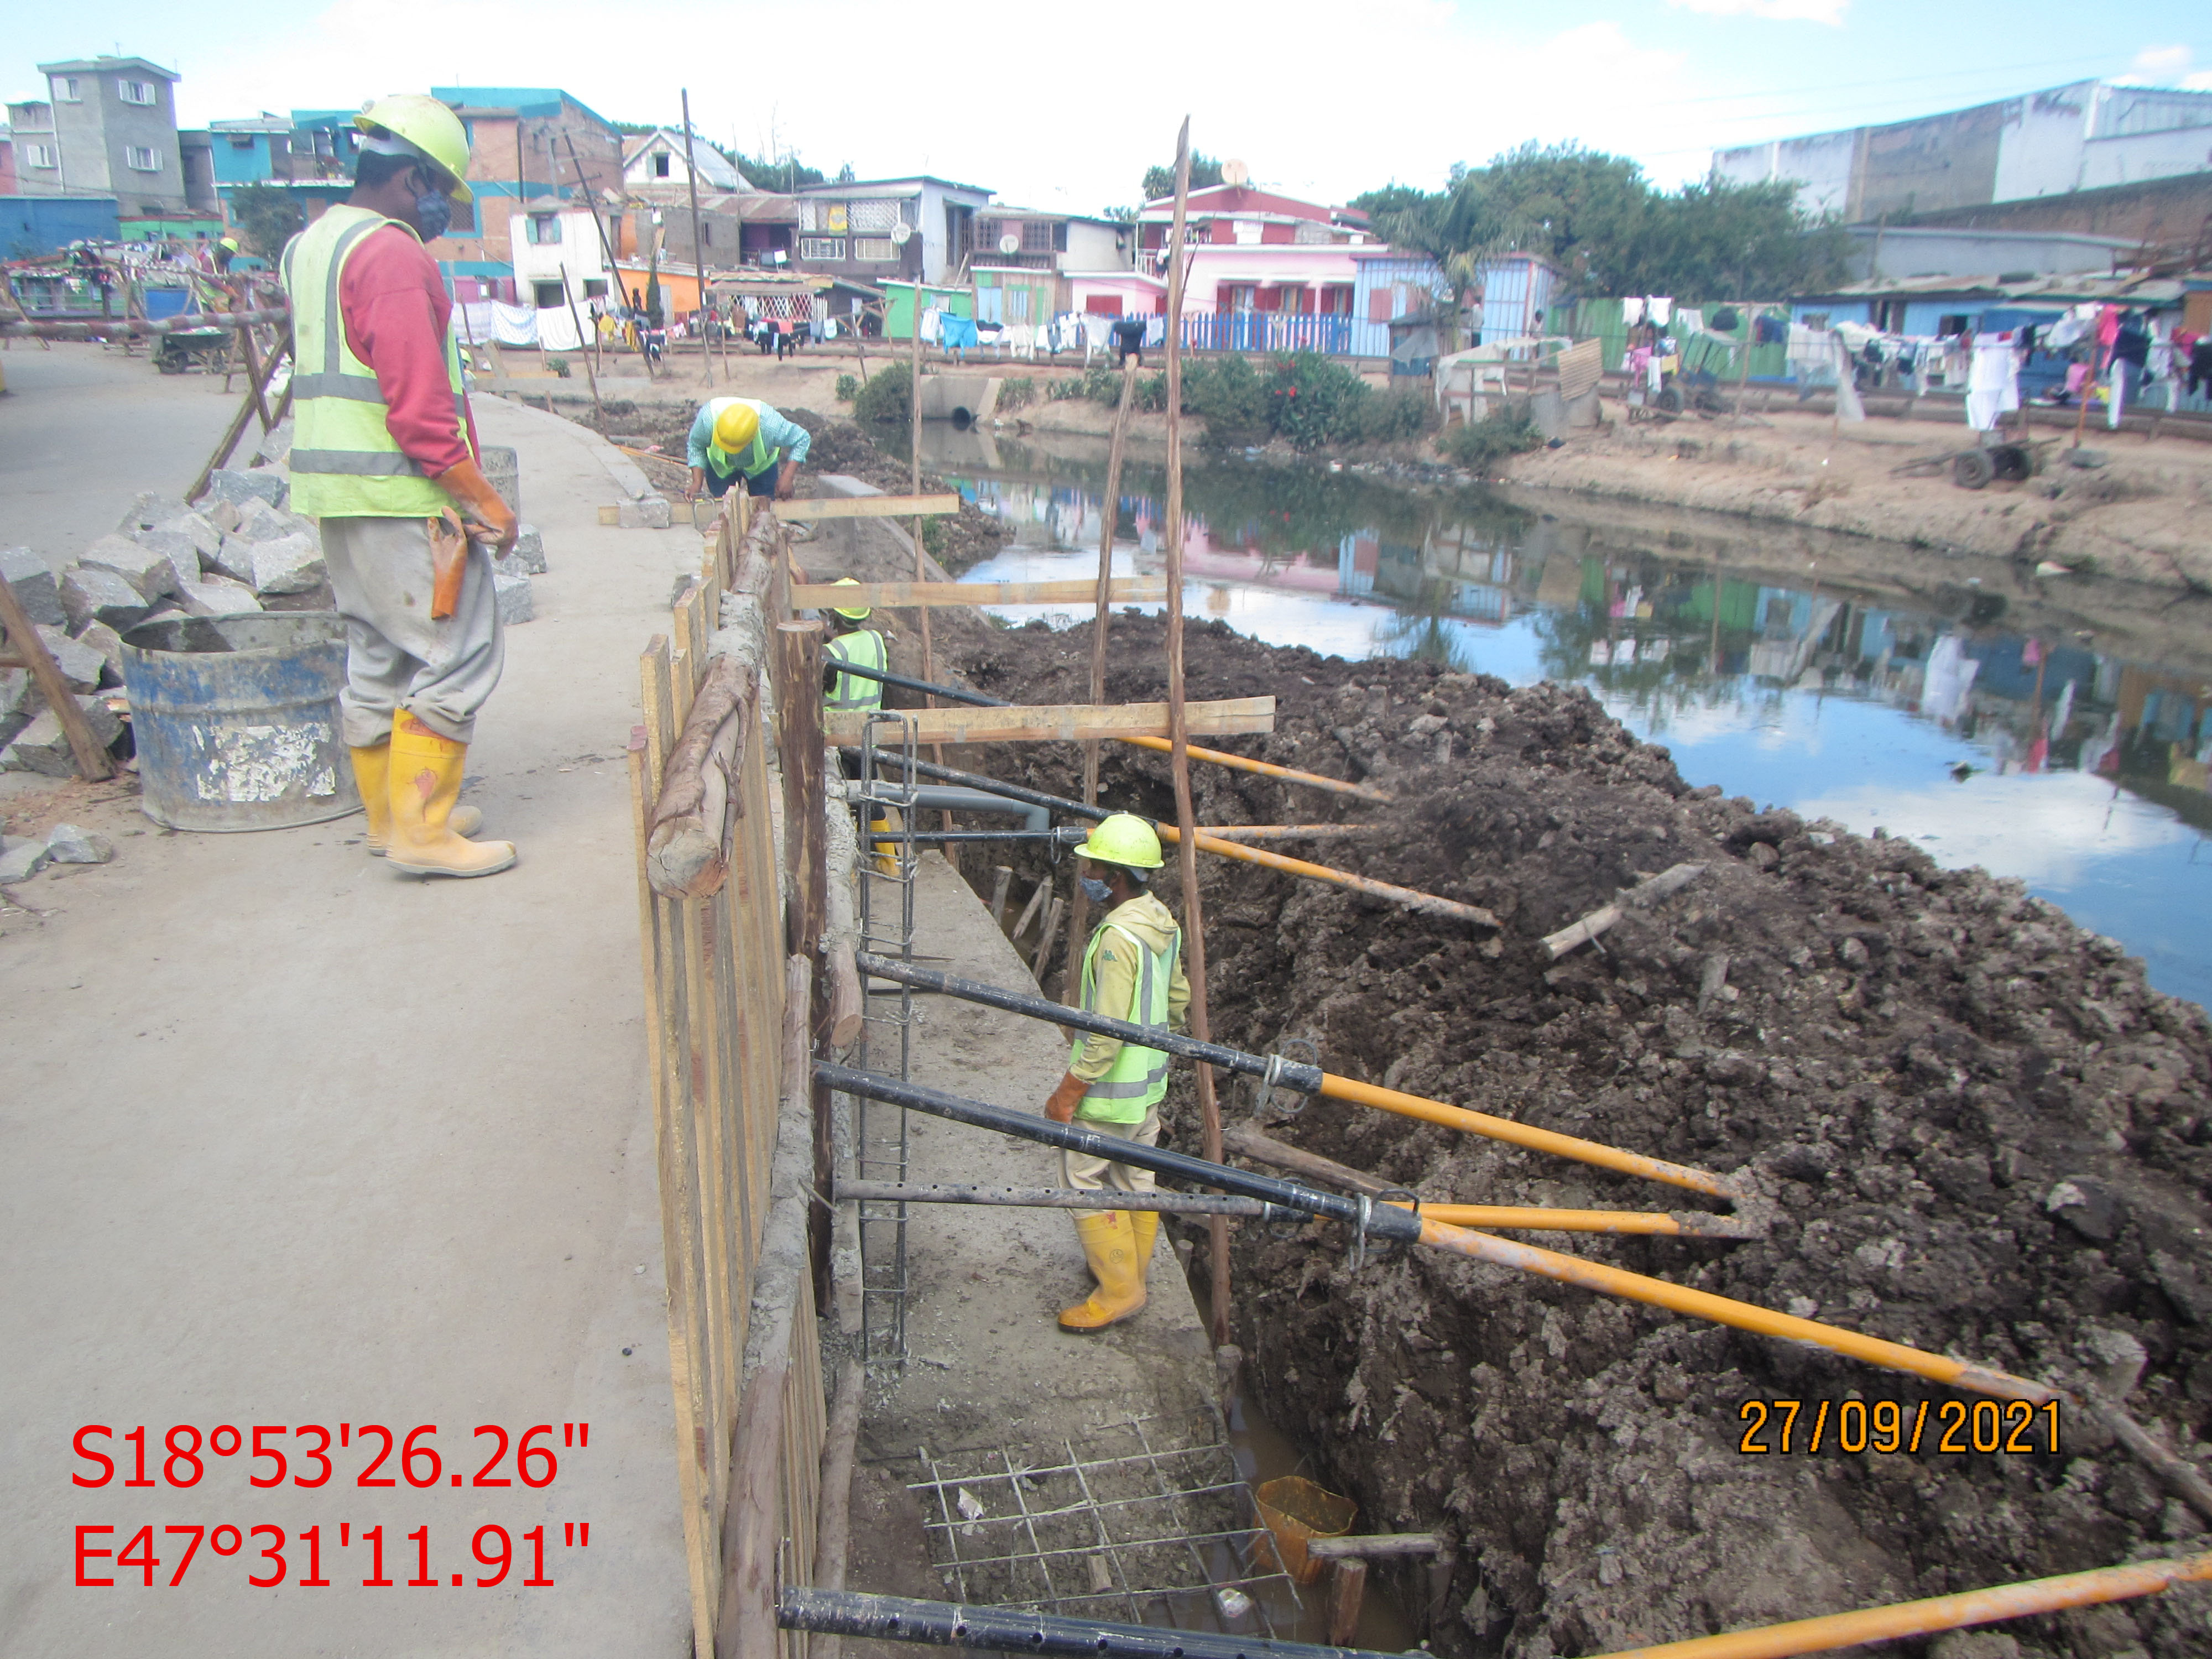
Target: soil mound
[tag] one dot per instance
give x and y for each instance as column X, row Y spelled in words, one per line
column 1986, row 1133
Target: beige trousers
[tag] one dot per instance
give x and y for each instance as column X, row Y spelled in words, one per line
column 396, row 657
column 1090, row 1174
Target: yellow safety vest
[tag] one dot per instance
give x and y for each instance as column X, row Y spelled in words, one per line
column 1138, row 1080
column 865, row 646
column 344, row 461
column 758, row 456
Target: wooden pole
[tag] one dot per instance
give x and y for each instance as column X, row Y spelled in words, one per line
column 1193, row 919
column 914, row 433
column 253, row 376
column 798, row 711
column 1078, row 916
column 29, row 651
column 699, row 255
column 229, row 442
column 584, row 349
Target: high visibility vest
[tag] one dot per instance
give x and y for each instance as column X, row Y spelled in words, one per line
column 758, row 456
column 865, row 646
column 1138, row 1080
column 344, row 461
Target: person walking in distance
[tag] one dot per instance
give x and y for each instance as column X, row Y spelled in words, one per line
column 384, row 456
column 1132, row 971
column 734, row 438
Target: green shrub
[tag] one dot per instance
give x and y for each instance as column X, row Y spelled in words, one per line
column 1479, row 446
column 1396, row 415
column 1229, row 395
column 849, row 387
column 1016, row 393
column 888, row 396
column 1313, row 401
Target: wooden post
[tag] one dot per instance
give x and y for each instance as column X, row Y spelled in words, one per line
column 1002, row 879
column 1348, row 1587
column 1193, row 919
column 29, row 651
column 237, row 430
column 914, row 433
column 584, row 348
column 699, row 263
column 1079, row 906
column 798, row 714
column 253, row 376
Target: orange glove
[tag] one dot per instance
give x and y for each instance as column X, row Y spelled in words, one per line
column 1061, row 1108
column 480, row 503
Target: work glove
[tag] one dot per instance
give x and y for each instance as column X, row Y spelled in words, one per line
column 480, row 504
column 1061, row 1107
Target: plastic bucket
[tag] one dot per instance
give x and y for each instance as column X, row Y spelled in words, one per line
column 1294, row 1511
column 236, row 719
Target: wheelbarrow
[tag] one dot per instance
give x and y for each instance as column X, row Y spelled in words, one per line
column 1974, row 469
column 184, row 349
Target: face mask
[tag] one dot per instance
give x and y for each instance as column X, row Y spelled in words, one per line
column 433, row 213
column 1094, row 889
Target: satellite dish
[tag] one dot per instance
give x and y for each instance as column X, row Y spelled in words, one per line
column 1235, row 172
column 1010, row 243
column 902, row 234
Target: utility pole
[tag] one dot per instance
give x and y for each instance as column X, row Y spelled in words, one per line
column 698, row 249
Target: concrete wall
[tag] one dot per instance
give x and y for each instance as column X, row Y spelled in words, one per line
column 2134, row 157
column 98, row 132
column 1946, row 161
column 1821, row 165
column 33, row 225
column 1099, row 247
column 1920, row 252
column 2158, row 211
column 2041, row 151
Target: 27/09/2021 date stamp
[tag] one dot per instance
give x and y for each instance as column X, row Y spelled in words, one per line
column 1954, row 1428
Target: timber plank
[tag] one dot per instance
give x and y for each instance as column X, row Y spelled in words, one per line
column 1130, row 590
column 869, row 507
column 1047, row 722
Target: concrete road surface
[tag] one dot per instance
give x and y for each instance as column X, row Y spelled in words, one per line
column 301, row 1151
column 83, row 428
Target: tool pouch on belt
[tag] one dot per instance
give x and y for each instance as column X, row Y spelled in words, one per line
column 449, row 562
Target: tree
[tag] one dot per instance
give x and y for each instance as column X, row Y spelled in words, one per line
column 781, row 177
column 1458, row 227
column 1159, row 182
column 269, row 217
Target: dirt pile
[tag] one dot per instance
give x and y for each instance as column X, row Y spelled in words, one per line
column 1986, row 1135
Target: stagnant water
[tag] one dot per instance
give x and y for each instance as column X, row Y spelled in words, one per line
column 1981, row 727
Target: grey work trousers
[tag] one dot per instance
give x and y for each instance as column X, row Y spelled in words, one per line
column 1090, row 1174
column 396, row 657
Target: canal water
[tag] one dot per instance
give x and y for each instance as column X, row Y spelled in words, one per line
column 1878, row 687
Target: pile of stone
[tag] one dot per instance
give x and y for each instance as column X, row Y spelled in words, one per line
column 239, row 549
column 22, row 859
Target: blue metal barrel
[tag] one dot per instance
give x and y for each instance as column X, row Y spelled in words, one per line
column 236, row 720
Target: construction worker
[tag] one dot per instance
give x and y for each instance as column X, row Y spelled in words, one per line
column 1132, row 970
column 225, row 249
column 849, row 642
column 384, row 454
column 742, row 437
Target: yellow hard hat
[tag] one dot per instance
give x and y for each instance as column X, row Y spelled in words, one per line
column 1123, row 838
column 415, row 124
column 736, row 428
column 857, row 614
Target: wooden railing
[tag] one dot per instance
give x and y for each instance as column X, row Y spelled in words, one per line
column 726, row 1011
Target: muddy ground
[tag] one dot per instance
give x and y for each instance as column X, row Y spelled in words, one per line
column 1986, row 1135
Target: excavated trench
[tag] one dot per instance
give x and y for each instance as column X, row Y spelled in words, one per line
column 1985, row 1135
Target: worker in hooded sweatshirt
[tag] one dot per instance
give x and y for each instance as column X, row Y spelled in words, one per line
column 1132, row 971
column 734, row 438
column 385, row 455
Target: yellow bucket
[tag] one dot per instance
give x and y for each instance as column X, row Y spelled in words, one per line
column 1295, row 1509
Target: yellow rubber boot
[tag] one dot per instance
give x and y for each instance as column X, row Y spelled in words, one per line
column 425, row 779
column 1145, row 1228
column 1109, row 1242
column 372, row 772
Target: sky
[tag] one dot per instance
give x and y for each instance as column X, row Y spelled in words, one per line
column 1321, row 103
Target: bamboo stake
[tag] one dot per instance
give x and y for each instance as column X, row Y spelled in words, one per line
column 1079, row 906
column 1193, row 914
column 920, row 573
column 698, row 252
column 583, row 346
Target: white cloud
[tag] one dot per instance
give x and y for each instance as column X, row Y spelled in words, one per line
column 2163, row 63
column 2200, row 82
column 1830, row 12
column 1497, row 93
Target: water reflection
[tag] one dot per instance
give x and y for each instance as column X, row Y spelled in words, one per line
column 1840, row 686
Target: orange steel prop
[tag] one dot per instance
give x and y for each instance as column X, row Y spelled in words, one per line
column 1723, row 1310
column 1427, row 902
column 1286, row 832
column 1288, row 774
column 1526, row 1134
column 1566, row 1221
column 1937, row 1613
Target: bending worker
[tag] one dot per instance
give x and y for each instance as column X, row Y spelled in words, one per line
column 734, row 438
column 1132, row 970
column 384, row 454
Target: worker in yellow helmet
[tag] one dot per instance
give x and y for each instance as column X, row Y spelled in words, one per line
column 849, row 642
column 1132, row 971
column 385, row 455
column 734, row 438
column 225, row 249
